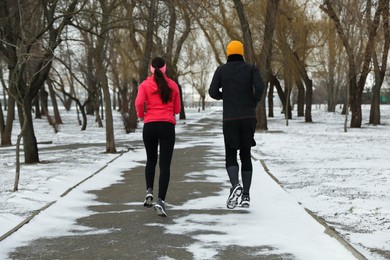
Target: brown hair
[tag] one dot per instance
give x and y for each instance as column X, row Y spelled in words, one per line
column 163, row 89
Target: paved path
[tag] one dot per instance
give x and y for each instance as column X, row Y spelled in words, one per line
column 124, row 229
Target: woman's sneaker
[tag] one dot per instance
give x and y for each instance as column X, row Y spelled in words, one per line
column 159, row 207
column 245, row 201
column 149, row 198
column 235, row 193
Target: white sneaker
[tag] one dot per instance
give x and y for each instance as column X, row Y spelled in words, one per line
column 149, row 198
column 235, row 193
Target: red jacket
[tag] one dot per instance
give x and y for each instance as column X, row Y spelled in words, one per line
column 155, row 109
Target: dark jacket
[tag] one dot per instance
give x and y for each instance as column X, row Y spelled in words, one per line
column 241, row 85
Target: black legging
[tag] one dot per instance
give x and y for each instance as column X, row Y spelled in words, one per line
column 153, row 134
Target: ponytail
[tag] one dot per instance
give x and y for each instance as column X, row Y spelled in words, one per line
column 162, row 85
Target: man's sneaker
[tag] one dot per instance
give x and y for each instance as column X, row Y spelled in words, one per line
column 245, row 201
column 159, row 207
column 235, row 193
column 149, row 198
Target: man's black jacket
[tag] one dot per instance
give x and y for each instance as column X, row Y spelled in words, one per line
column 239, row 85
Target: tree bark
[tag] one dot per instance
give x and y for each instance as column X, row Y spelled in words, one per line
column 301, row 98
column 44, row 105
column 7, row 133
column 309, row 100
column 147, row 52
column 356, row 119
column 132, row 110
column 249, row 52
column 172, row 56
column 57, row 116
column 331, row 70
column 380, row 70
column 271, row 100
column 286, row 108
column 30, row 146
column 300, row 65
column 264, row 60
column 2, row 123
column 101, row 74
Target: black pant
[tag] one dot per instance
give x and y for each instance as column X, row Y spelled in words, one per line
column 155, row 133
column 238, row 135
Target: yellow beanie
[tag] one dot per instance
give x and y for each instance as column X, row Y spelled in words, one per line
column 235, row 47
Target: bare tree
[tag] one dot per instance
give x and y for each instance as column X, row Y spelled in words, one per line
column 246, row 32
column 266, row 56
column 107, row 7
column 197, row 74
column 331, row 67
column 179, row 28
column 20, row 42
column 380, row 69
column 358, row 68
column 17, row 46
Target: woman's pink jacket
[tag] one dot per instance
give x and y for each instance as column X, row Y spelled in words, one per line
column 155, row 110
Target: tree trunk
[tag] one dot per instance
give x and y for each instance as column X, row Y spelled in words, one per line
column 84, row 116
column 331, row 70
column 90, row 77
column 20, row 136
column 264, row 60
column 57, row 116
column 282, row 96
column 376, row 89
column 172, row 55
column 271, row 100
column 124, row 107
column 114, row 96
column 43, row 97
column 110, row 138
column 346, row 109
column 30, row 146
column 250, row 57
column 96, row 105
column 301, row 98
column 380, row 71
column 182, row 114
column 147, row 54
column 4, row 86
column 38, row 111
column 375, row 112
column 356, row 119
column 288, row 108
column 309, row 100
column 132, row 112
column 101, row 74
column 246, row 32
column 2, row 122
column 7, row 133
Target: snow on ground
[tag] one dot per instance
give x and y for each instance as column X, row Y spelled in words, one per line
column 274, row 224
column 45, row 182
column 342, row 177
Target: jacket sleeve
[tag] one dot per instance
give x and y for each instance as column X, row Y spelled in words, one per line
column 140, row 101
column 215, row 86
column 258, row 84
